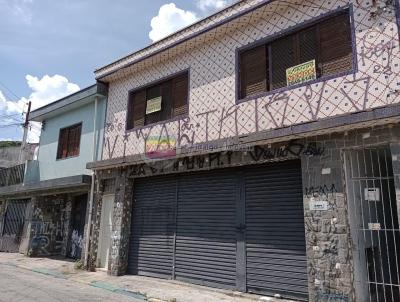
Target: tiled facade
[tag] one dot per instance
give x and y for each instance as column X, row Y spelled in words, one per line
column 213, row 110
column 216, row 116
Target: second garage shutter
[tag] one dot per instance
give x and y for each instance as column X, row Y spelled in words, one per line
column 275, row 240
column 237, row 228
column 153, row 227
column 206, row 238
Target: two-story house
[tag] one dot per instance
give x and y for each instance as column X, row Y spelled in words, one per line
column 258, row 150
column 45, row 212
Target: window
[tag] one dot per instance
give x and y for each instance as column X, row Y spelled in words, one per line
column 69, row 141
column 108, row 185
column 263, row 68
column 158, row 102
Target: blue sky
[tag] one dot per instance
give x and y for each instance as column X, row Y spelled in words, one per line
column 50, row 48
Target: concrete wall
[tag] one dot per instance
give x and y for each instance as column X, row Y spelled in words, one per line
column 9, row 156
column 328, row 233
column 49, row 166
column 211, row 59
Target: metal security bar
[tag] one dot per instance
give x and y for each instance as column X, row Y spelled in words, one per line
column 12, row 176
column 374, row 224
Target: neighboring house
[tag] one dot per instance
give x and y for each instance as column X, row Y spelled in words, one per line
column 257, row 150
column 12, row 162
column 12, row 155
column 45, row 213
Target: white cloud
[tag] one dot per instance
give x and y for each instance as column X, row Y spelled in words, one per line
column 208, row 6
column 44, row 91
column 169, row 19
column 20, row 10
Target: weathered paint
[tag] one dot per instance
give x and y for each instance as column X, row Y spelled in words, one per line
column 49, row 166
column 213, row 112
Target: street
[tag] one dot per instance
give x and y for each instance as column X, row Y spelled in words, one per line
column 19, row 285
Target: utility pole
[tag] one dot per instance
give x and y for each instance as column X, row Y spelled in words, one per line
column 26, row 125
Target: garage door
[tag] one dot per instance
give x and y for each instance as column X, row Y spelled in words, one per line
column 153, row 227
column 234, row 228
column 275, row 240
column 205, row 236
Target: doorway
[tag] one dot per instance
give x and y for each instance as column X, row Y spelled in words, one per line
column 78, row 216
column 105, row 231
column 374, row 224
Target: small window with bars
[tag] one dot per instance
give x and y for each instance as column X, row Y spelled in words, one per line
column 158, row 102
column 69, row 141
column 327, row 45
column 108, row 185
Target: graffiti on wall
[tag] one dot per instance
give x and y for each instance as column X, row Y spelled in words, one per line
column 47, row 231
column 76, row 244
column 228, row 158
column 374, row 83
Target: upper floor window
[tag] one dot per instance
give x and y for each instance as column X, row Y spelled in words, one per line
column 69, row 141
column 320, row 50
column 158, row 102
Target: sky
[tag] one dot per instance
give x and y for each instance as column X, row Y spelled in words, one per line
column 50, row 49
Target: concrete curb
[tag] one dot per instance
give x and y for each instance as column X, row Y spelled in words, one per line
column 97, row 284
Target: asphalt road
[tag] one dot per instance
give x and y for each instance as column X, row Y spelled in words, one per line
column 19, row 285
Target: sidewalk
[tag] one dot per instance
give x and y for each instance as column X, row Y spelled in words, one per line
column 142, row 288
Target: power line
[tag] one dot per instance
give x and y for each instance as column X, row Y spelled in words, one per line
column 9, row 90
column 11, row 125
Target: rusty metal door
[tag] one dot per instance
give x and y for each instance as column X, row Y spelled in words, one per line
column 13, row 225
column 78, row 226
column 374, row 224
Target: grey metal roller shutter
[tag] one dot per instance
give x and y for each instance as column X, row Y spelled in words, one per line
column 153, row 227
column 275, row 239
column 206, row 237
column 237, row 228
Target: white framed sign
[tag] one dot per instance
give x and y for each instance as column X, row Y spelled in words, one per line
column 318, row 205
column 153, row 105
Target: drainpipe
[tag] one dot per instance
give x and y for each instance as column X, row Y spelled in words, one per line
column 94, row 175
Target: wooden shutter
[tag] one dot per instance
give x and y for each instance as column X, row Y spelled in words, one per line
column 253, row 71
column 129, row 113
column 180, row 95
column 151, row 93
column 335, row 45
column 282, row 57
column 138, row 110
column 74, row 140
column 308, row 45
column 62, row 144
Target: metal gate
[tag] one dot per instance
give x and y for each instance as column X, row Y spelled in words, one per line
column 374, row 224
column 13, row 225
column 78, row 215
column 239, row 228
column 275, row 235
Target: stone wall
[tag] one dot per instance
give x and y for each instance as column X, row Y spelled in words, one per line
column 328, row 239
column 121, row 224
column 95, row 226
column 48, row 226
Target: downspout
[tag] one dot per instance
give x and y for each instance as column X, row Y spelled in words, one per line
column 91, row 198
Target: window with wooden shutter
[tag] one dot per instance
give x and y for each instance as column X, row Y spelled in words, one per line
column 263, row 68
column 69, row 141
column 282, row 57
column 173, row 94
column 336, row 53
column 180, row 95
column 253, row 71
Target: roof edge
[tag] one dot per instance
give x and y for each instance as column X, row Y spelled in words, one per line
column 170, row 35
column 99, row 89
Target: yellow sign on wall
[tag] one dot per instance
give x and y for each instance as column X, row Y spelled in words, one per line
column 301, row 73
column 153, row 105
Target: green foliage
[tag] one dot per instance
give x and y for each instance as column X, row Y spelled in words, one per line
column 9, row 144
column 78, row 264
